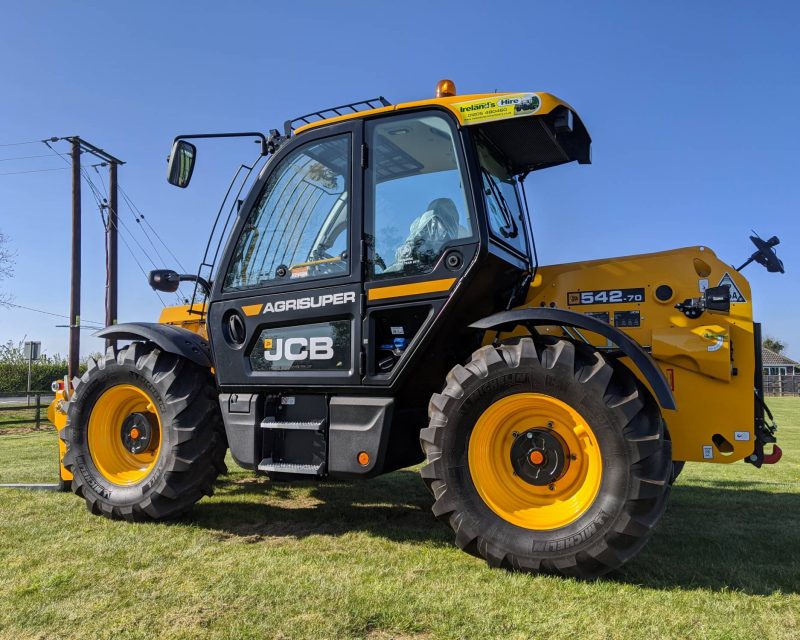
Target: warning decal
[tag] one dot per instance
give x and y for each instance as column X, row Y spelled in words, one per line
column 736, row 295
column 496, row 108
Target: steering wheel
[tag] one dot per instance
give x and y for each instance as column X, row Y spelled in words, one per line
column 765, row 254
column 326, row 264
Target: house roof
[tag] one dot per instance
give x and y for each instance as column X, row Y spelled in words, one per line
column 772, row 359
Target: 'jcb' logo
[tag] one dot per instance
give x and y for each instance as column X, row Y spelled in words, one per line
column 298, row 349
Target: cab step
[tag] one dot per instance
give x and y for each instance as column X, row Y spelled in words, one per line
column 297, row 425
column 289, row 467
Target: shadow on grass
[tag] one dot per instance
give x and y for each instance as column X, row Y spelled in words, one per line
column 728, row 536
column 713, row 538
column 396, row 506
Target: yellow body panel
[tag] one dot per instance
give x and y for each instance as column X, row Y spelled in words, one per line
column 57, row 415
column 413, row 289
column 461, row 106
column 181, row 317
column 710, row 361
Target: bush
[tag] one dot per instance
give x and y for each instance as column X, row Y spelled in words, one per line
column 14, row 375
column 14, row 369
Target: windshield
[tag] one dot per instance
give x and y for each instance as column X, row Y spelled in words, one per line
column 300, row 227
column 506, row 221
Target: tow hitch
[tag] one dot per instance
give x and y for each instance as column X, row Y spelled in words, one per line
column 764, row 434
column 772, row 458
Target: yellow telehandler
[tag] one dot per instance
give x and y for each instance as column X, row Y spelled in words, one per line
column 377, row 303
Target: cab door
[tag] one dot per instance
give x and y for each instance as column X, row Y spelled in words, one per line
column 421, row 234
column 286, row 305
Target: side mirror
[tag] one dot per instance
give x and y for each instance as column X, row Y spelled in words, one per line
column 181, row 163
column 164, row 280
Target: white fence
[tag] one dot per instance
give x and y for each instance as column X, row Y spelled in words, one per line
column 782, row 385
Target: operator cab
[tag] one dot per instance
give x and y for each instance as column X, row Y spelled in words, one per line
column 371, row 239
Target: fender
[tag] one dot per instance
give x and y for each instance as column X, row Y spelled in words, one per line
column 169, row 338
column 543, row 316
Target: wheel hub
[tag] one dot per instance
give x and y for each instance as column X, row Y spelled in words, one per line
column 539, row 456
column 137, row 432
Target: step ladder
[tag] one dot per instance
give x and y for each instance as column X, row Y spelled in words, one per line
column 295, row 443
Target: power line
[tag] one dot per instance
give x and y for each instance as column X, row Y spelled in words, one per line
column 102, row 184
column 134, row 210
column 157, row 235
column 144, row 232
column 50, row 313
column 17, row 144
column 138, row 264
column 16, row 173
column 41, row 155
column 101, row 206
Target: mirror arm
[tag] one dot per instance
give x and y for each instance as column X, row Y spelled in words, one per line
column 204, row 284
column 265, row 147
column 748, row 261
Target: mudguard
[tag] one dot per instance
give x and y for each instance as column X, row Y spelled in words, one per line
column 543, row 316
column 169, row 338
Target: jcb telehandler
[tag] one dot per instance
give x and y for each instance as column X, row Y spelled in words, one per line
column 378, row 303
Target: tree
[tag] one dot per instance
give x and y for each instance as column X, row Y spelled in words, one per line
column 774, row 345
column 6, row 267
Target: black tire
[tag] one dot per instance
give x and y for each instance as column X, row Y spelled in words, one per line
column 636, row 457
column 677, row 467
column 193, row 443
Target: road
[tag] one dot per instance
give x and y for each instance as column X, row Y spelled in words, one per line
column 17, row 399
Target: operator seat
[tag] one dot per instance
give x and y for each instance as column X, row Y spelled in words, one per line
column 438, row 224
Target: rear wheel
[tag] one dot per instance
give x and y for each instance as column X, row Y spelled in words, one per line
column 544, row 457
column 677, row 467
column 144, row 434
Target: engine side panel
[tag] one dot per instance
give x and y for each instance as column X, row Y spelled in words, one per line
column 709, row 361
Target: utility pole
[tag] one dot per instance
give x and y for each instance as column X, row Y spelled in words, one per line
column 81, row 146
column 75, row 282
column 112, row 232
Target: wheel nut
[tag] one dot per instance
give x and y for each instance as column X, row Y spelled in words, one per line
column 549, row 425
column 552, row 487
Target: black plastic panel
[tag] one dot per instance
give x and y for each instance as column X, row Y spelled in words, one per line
column 242, row 414
column 358, row 424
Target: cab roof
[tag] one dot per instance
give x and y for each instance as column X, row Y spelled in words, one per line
column 534, row 130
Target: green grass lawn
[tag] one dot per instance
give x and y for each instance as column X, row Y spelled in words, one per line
column 368, row 560
column 24, row 420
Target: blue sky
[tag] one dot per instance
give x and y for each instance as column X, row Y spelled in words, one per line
column 691, row 107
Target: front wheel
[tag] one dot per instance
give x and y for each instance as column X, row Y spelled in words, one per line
column 144, row 434
column 545, row 457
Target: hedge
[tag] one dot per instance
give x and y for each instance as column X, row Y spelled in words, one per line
column 14, row 376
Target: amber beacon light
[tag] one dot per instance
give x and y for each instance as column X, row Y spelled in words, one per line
column 445, row 88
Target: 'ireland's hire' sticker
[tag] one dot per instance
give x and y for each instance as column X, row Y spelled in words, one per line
column 498, row 107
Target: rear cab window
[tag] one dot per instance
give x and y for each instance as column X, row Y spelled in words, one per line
column 501, row 195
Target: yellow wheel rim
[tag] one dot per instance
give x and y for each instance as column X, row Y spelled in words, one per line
column 511, row 497
column 115, row 430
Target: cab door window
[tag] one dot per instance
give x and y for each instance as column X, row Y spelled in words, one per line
column 418, row 202
column 300, row 227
